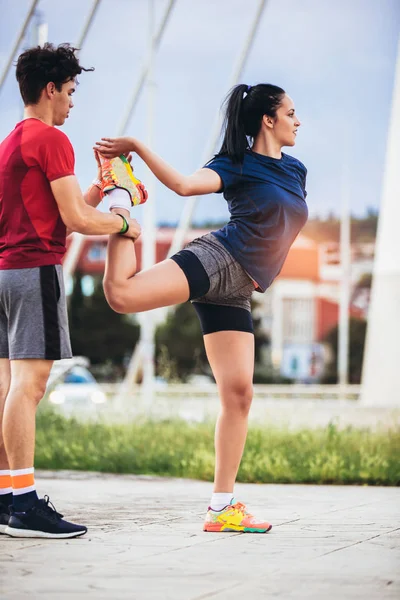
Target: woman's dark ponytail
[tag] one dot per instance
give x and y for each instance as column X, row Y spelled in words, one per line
column 235, row 141
column 245, row 107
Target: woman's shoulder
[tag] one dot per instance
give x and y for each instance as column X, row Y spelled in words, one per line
column 224, row 161
column 295, row 162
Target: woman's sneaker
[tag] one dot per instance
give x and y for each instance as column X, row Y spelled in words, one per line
column 4, row 517
column 234, row 517
column 42, row 521
column 118, row 173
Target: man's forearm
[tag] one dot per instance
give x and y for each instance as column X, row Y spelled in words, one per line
column 84, row 218
column 94, row 222
column 92, row 197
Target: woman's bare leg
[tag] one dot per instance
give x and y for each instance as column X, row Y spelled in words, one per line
column 233, row 372
column 126, row 291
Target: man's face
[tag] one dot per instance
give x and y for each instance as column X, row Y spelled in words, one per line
column 63, row 102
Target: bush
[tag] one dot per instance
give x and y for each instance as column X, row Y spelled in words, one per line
column 179, row 449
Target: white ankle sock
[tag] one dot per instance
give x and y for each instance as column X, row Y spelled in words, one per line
column 220, row 500
column 119, row 198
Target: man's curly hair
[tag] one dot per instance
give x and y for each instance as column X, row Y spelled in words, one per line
column 41, row 65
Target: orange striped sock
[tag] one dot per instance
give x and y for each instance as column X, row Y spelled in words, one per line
column 24, row 489
column 5, row 482
column 5, row 487
column 23, row 481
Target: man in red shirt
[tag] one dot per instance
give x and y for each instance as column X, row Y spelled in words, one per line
column 39, row 199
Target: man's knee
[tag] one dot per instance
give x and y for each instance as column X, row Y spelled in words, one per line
column 29, row 391
column 29, row 381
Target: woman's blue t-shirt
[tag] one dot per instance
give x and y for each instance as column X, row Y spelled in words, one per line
column 266, row 201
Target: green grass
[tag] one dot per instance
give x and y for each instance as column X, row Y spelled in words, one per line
column 179, row 449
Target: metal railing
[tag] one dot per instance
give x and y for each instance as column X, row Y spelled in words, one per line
column 180, row 391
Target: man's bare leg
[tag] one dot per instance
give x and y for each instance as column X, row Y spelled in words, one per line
column 5, row 477
column 5, row 377
column 30, row 517
column 28, row 385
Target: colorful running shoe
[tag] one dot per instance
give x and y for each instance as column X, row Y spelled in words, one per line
column 118, row 173
column 234, row 517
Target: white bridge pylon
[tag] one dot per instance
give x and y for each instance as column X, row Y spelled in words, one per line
column 381, row 376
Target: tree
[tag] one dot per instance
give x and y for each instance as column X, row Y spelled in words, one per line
column 365, row 281
column 357, row 331
column 363, row 229
column 96, row 330
column 179, row 339
column 180, row 346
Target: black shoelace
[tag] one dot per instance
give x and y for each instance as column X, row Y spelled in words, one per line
column 49, row 508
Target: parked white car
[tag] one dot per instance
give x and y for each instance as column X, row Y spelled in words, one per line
column 77, row 387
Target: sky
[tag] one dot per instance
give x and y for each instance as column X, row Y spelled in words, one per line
column 335, row 59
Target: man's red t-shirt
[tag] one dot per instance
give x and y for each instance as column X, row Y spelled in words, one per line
column 32, row 233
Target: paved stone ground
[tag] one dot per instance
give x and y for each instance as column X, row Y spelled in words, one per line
column 145, row 542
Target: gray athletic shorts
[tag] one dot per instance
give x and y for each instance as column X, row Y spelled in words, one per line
column 33, row 314
column 230, row 285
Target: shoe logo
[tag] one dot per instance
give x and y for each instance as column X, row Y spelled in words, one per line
column 233, row 517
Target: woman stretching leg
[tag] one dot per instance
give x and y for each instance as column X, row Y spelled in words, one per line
column 265, row 191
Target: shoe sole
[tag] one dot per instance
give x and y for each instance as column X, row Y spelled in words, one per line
column 30, row 533
column 236, row 529
column 3, row 528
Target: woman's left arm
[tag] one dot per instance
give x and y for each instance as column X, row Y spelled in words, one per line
column 203, row 181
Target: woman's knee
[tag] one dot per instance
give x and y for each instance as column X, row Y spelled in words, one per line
column 237, row 396
column 114, row 294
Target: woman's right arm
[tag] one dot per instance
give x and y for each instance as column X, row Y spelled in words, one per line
column 203, row 181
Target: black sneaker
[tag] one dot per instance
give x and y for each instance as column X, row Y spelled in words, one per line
column 42, row 521
column 4, row 517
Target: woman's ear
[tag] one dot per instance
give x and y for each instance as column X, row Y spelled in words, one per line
column 268, row 121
